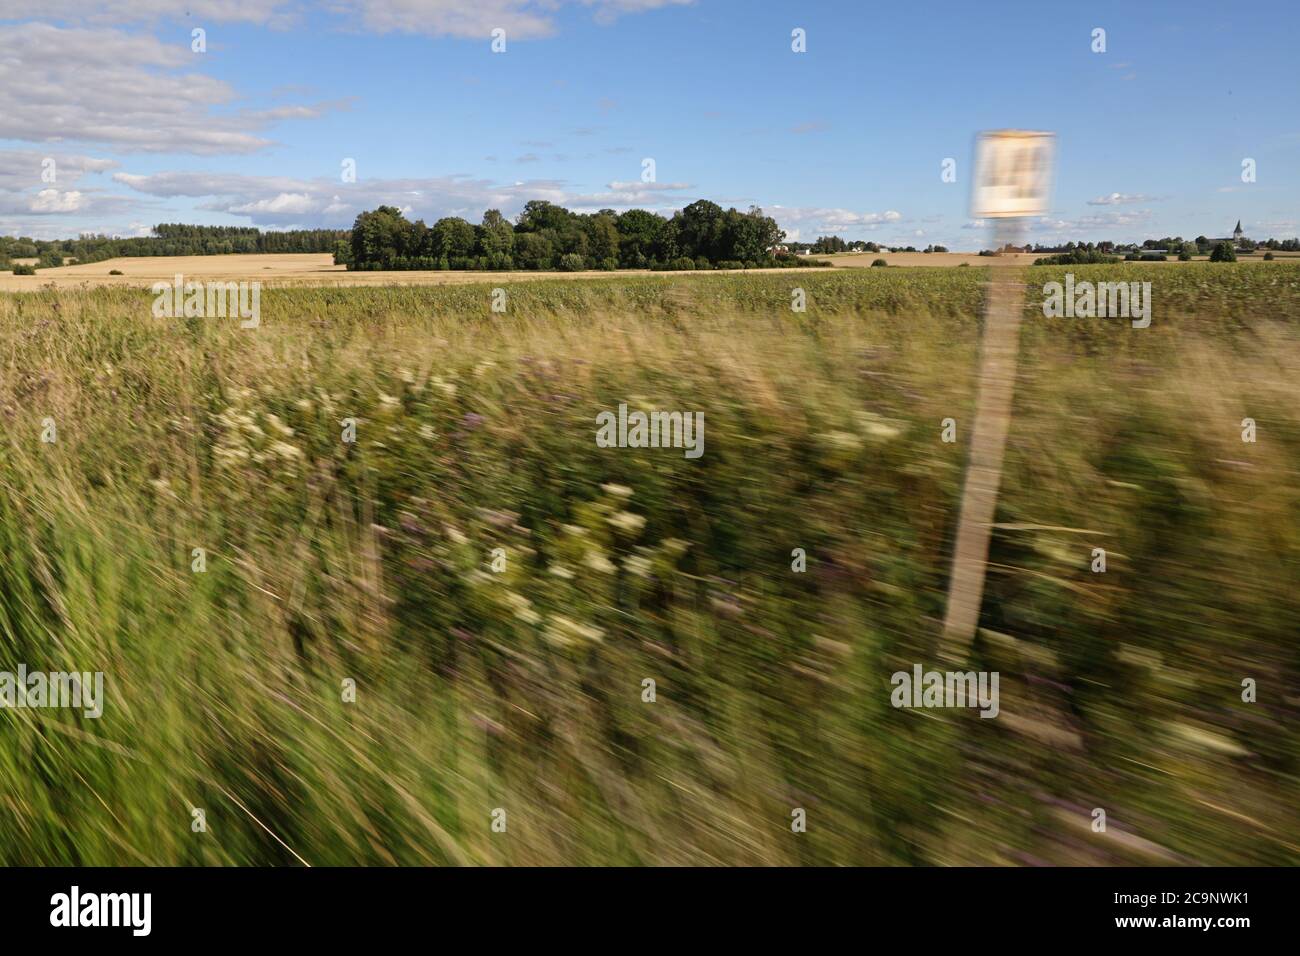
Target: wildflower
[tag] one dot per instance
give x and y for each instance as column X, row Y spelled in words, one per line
column 638, row 565
column 598, row 562
column 877, row 427
column 278, row 425
column 564, row 632
column 627, row 521
column 846, row 441
column 675, row 546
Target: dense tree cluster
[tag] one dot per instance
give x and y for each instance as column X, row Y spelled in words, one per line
column 546, row 236
column 171, row 239
column 829, row 245
column 1200, row 246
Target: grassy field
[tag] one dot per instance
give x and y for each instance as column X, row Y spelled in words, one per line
column 521, row 689
column 272, row 270
column 312, row 269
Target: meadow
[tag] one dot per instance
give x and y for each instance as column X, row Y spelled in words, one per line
column 497, row 589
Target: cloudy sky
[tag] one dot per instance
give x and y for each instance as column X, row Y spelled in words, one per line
column 111, row 121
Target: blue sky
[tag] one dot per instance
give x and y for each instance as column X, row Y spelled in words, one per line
column 848, row 137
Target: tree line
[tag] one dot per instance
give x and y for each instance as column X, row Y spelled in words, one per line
column 830, row 245
column 171, row 239
column 547, row 236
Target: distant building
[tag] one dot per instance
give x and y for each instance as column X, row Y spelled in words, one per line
column 1237, row 237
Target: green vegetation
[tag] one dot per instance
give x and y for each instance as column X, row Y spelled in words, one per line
column 522, row 689
column 172, row 239
column 549, row 237
column 1078, row 256
column 1223, row 252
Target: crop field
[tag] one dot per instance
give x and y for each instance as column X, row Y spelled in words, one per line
column 289, row 269
column 859, row 260
column 318, row 269
column 364, row 651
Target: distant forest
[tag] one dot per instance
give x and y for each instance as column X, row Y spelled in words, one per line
column 171, row 239
column 545, row 236
column 549, row 237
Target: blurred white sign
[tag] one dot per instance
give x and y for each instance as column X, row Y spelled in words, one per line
column 1013, row 173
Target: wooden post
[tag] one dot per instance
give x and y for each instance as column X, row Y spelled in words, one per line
column 1000, row 348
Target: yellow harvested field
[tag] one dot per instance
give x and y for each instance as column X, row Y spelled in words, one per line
column 855, row 260
column 318, row 269
column 864, row 259
column 272, row 270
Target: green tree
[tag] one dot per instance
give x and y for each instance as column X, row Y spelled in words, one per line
column 379, row 237
column 747, row 237
column 533, row 251
column 700, row 230
column 453, row 238
column 1223, row 252
column 495, row 236
column 638, row 231
column 602, row 237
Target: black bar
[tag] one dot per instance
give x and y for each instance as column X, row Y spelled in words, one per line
column 329, row 906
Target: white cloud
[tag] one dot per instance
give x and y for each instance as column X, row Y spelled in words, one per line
column 1273, row 228
column 823, row 221
column 1103, row 222
column 521, row 19
column 1119, row 199
column 290, row 204
column 22, row 169
column 146, row 11
column 282, row 202
column 125, row 91
column 35, row 184
column 51, row 200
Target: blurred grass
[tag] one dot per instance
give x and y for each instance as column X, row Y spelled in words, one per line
column 522, row 690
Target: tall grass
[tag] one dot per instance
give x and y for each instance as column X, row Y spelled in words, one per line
column 522, row 690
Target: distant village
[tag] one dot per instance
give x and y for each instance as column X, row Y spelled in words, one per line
column 1166, row 246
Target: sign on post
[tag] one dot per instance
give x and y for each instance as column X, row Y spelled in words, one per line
column 1013, row 174
column 1012, row 180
